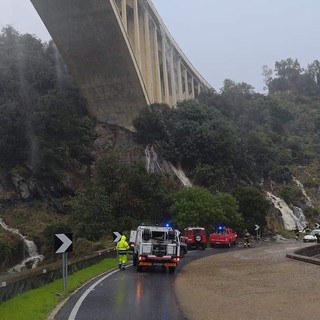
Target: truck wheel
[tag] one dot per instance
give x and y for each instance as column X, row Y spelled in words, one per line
column 198, row 237
column 172, row 269
column 139, row 268
column 182, row 252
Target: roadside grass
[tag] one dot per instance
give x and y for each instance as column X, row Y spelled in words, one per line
column 38, row 303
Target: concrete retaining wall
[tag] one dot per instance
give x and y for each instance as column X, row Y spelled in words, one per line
column 14, row 284
column 309, row 254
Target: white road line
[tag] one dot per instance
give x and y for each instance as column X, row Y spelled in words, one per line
column 77, row 306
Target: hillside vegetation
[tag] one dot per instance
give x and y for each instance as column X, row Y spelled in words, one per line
column 63, row 172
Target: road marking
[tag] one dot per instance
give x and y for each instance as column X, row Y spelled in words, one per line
column 77, row 306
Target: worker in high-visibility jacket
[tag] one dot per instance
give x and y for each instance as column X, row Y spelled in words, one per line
column 122, row 247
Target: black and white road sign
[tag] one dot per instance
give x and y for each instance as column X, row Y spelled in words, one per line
column 116, row 236
column 257, row 227
column 63, row 242
column 317, row 226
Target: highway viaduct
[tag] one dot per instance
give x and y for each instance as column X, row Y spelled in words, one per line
column 121, row 56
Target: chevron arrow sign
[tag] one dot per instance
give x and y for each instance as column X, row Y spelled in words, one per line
column 116, row 236
column 63, row 242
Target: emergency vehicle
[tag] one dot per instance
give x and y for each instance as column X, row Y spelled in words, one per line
column 195, row 237
column 155, row 246
column 223, row 237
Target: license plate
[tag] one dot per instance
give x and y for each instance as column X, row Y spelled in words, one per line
column 170, row 264
column 148, row 264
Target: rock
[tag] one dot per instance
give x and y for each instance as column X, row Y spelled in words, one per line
column 21, row 186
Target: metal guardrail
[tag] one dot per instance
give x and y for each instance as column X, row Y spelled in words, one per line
column 17, row 283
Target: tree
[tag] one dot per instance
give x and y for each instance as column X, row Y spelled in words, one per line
column 41, row 121
column 196, row 206
column 63, row 134
column 230, row 208
column 267, row 75
column 135, row 194
column 13, row 141
column 262, row 149
column 313, row 71
column 92, row 213
column 253, row 205
column 153, row 124
column 237, row 88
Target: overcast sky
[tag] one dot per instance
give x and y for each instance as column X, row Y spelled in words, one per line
column 230, row 39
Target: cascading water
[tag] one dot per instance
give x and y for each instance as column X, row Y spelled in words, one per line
column 181, row 175
column 59, row 67
column 291, row 218
column 33, row 256
column 300, row 185
column 154, row 166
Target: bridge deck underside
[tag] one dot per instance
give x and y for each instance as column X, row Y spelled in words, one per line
column 95, row 49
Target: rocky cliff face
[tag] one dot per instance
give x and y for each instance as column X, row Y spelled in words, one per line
column 20, row 184
column 24, row 197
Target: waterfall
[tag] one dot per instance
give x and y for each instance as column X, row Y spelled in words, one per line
column 152, row 160
column 291, row 218
column 59, row 67
column 154, row 166
column 33, row 256
column 181, row 175
column 300, row 185
column 298, row 213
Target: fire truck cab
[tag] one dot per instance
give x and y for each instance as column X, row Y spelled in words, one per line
column 154, row 245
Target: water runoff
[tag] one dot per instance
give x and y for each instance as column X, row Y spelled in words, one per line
column 294, row 216
column 291, row 217
column 154, row 165
column 33, row 257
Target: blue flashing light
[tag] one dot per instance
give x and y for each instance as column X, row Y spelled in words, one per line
column 220, row 227
column 167, row 224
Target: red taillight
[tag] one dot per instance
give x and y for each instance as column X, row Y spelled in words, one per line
column 176, row 259
column 142, row 258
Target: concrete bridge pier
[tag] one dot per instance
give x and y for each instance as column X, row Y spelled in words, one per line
column 121, row 56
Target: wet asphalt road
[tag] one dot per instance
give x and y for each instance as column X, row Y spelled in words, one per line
column 128, row 294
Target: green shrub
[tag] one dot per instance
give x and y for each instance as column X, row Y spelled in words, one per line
column 290, row 193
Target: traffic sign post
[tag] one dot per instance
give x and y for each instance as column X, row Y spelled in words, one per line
column 257, row 228
column 317, row 226
column 63, row 244
column 65, row 270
